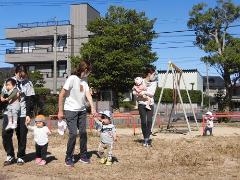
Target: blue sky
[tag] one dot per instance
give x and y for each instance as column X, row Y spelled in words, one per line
column 171, row 15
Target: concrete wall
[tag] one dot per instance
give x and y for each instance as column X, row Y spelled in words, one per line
column 81, row 15
column 189, row 77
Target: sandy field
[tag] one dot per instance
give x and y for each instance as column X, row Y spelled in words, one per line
column 172, row 156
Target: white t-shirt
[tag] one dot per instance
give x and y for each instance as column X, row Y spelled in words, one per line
column 76, row 98
column 40, row 134
column 210, row 123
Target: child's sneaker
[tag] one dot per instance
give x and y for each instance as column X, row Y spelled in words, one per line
column 42, row 163
column 69, row 162
column 148, row 107
column 109, row 162
column 103, row 160
column 38, row 160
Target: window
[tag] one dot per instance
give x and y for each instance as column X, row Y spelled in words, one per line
column 61, row 70
column 31, row 68
column 26, row 46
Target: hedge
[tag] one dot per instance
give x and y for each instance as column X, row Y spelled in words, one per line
column 42, row 91
column 196, row 96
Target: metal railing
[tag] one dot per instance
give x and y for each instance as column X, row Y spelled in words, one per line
column 32, row 50
column 43, row 24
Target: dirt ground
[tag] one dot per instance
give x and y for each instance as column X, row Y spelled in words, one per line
column 172, row 156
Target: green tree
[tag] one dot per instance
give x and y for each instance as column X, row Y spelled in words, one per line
column 211, row 26
column 119, row 48
column 37, row 79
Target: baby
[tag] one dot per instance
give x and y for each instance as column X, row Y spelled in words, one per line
column 107, row 136
column 209, row 126
column 139, row 88
column 10, row 96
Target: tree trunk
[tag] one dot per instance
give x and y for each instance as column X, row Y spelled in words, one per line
column 229, row 90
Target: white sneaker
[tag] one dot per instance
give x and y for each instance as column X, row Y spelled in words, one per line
column 20, row 161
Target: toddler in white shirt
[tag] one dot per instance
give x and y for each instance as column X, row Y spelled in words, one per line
column 40, row 133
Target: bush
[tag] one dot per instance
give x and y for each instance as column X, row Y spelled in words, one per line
column 127, row 104
column 196, row 96
column 42, row 91
column 45, row 104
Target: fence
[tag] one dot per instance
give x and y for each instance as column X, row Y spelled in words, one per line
column 131, row 120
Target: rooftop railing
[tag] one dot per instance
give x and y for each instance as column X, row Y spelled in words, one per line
column 43, row 24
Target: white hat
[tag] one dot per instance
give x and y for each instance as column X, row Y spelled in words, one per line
column 106, row 113
column 208, row 113
column 138, row 80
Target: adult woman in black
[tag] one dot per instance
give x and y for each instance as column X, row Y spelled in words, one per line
column 26, row 90
column 146, row 115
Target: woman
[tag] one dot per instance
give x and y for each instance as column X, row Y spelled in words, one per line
column 75, row 91
column 26, row 90
column 146, row 114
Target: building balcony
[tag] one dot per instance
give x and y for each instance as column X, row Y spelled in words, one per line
column 21, row 55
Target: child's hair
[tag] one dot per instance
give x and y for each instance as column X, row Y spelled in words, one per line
column 12, row 81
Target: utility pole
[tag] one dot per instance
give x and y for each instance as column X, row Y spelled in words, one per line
column 69, row 69
column 55, row 60
column 207, row 88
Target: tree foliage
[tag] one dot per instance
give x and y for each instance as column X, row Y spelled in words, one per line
column 119, row 48
column 211, row 26
column 37, row 79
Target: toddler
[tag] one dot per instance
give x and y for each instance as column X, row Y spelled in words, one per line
column 10, row 96
column 107, row 136
column 40, row 133
column 209, row 123
column 139, row 88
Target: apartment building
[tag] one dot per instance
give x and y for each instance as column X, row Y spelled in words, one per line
column 192, row 79
column 34, row 43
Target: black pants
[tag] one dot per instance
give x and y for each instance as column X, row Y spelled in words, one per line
column 146, row 120
column 41, row 151
column 206, row 130
column 21, row 132
column 76, row 120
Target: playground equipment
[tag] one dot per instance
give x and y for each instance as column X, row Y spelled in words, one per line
column 177, row 76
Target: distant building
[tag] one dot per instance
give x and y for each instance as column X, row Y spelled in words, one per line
column 216, row 83
column 34, row 43
column 192, row 78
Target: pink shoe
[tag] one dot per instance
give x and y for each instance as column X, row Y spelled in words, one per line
column 42, row 163
column 38, row 160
